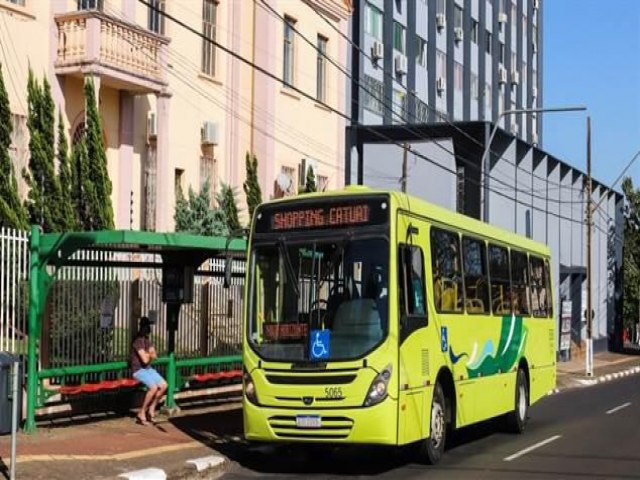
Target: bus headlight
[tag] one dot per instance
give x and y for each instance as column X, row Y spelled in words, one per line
column 249, row 388
column 379, row 388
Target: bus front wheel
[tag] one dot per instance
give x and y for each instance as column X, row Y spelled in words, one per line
column 517, row 419
column 432, row 448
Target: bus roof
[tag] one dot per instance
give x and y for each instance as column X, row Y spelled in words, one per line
column 433, row 212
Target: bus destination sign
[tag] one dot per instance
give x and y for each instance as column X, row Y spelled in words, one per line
column 332, row 214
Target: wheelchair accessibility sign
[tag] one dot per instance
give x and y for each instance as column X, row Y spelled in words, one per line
column 319, row 344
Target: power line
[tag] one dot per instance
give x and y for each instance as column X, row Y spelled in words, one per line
column 338, row 112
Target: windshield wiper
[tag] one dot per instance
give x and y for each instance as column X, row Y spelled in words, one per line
column 288, row 265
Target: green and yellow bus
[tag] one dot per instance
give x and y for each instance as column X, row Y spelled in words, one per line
column 373, row 317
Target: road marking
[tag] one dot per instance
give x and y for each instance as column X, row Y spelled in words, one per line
column 145, row 474
column 531, row 448
column 619, row 407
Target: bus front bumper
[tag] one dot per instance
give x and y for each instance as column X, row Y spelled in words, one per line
column 354, row 425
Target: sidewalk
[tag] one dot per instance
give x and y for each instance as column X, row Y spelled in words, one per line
column 102, row 447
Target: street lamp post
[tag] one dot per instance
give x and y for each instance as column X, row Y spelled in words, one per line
column 485, row 155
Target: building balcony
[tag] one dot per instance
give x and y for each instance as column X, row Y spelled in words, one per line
column 125, row 56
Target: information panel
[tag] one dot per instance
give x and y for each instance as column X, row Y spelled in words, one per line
column 323, row 213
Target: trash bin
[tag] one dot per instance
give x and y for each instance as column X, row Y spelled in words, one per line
column 6, row 390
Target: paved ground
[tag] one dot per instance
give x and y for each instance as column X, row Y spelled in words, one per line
column 104, row 447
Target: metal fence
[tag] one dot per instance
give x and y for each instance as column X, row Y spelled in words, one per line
column 92, row 312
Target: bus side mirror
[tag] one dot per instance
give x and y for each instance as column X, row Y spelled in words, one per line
column 227, row 272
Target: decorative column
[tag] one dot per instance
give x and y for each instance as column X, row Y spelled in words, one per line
column 125, row 169
column 165, row 194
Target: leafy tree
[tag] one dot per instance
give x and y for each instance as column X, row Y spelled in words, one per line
column 252, row 185
column 227, row 203
column 196, row 215
column 44, row 188
column 99, row 202
column 68, row 214
column 12, row 213
column 631, row 254
column 310, row 185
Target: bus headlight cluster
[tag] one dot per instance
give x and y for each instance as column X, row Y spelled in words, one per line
column 379, row 388
column 249, row 388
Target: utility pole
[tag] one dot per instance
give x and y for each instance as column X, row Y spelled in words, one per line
column 403, row 179
column 589, row 365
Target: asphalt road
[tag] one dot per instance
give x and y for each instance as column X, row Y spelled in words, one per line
column 587, row 433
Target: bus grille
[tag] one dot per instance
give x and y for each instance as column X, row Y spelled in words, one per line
column 284, row 426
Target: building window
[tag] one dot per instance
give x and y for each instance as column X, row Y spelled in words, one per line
column 87, row 4
column 373, row 21
column 178, row 178
column 373, row 95
column 321, row 77
column 209, row 13
column 441, row 64
column 457, row 18
column 474, row 31
column 514, row 14
column 155, row 17
column 399, row 106
column 441, row 7
column 323, row 183
column 460, row 188
column 21, row 3
column 488, row 38
column 399, row 37
column 421, row 111
column 457, row 76
column 487, row 96
column 502, row 52
column 289, row 51
column 421, row 51
column 474, row 86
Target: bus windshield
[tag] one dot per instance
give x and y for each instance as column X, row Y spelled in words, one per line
column 319, row 300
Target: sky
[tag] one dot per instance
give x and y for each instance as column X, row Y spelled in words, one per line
column 591, row 52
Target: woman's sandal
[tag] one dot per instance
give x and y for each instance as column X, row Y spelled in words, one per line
column 140, row 421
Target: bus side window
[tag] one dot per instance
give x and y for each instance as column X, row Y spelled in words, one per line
column 474, row 262
column 520, row 283
column 448, row 294
column 539, row 287
column 411, row 297
column 500, row 280
column 547, row 275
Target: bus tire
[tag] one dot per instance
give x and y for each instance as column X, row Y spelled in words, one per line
column 432, row 448
column 516, row 420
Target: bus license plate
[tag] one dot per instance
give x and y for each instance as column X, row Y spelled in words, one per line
column 308, row 421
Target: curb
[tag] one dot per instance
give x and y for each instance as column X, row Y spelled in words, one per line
column 589, row 382
column 193, row 468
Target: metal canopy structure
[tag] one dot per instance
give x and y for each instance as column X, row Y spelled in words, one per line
column 50, row 252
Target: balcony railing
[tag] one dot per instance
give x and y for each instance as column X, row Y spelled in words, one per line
column 114, row 47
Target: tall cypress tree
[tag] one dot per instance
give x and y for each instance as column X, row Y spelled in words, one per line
column 44, row 188
column 12, row 214
column 81, row 186
column 99, row 194
column 252, row 185
column 310, row 185
column 68, row 214
column 227, row 203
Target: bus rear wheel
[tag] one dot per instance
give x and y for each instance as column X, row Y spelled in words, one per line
column 516, row 420
column 432, row 448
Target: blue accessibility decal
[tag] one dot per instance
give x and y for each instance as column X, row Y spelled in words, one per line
column 320, row 344
column 444, row 341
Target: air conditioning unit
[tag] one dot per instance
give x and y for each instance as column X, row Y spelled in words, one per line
column 441, row 85
column 401, row 64
column 377, row 51
column 152, row 125
column 515, row 77
column 210, row 133
column 514, row 128
column 457, row 34
column 502, row 18
column 441, row 21
column 534, row 138
column 534, row 46
column 502, row 75
column 536, row 4
column 534, row 92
